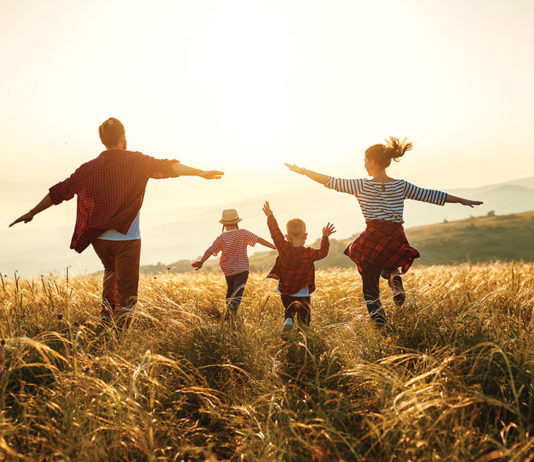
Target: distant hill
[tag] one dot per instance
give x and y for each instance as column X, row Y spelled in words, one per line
column 500, row 237
column 478, row 239
column 182, row 233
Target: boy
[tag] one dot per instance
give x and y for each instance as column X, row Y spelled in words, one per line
column 234, row 260
column 294, row 268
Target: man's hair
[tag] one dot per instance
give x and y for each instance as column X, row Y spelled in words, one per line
column 111, row 132
column 296, row 228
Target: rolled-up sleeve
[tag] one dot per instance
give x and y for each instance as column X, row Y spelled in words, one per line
column 157, row 168
column 63, row 191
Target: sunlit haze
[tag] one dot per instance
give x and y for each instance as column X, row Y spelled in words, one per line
column 243, row 86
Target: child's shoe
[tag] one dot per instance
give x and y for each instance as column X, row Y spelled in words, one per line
column 105, row 315
column 395, row 282
column 288, row 325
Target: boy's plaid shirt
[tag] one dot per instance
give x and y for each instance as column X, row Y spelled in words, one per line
column 110, row 192
column 294, row 266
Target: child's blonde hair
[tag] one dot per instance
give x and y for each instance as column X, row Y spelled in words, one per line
column 296, row 228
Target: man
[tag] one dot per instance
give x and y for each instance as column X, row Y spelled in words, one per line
column 110, row 191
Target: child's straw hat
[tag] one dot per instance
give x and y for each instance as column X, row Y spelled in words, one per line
column 229, row 217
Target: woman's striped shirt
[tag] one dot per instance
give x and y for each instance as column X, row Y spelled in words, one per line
column 384, row 201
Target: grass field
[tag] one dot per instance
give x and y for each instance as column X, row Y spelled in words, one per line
column 451, row 379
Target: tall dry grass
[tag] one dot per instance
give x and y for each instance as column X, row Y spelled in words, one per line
column 450, row 379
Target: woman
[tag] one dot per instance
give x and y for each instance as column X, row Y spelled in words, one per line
column 382, row 248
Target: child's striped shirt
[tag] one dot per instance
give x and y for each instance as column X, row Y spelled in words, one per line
column 233, row 244
column 385, row 201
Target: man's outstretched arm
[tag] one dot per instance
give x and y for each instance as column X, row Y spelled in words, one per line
column 171, row 168
column 184, row 170
column 43, row 205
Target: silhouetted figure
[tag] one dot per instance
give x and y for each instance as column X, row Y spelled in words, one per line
column 382, row 248
column 234, row 263
column 110, row 190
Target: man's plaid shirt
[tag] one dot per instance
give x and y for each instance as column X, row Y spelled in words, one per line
column 294, row 266
column 110, row 192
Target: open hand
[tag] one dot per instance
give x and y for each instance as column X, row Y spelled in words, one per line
column 267, row 209
column 470, row 203
column 295, row 168
column 197, row 265
column 212, row 174
column 328, row 229
column 27, row 217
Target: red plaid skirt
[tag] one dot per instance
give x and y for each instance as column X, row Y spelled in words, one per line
column 382, row 244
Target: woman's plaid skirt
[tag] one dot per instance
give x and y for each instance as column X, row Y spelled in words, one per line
column 382, row 244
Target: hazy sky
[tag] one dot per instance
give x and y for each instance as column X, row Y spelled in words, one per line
column 245, row 85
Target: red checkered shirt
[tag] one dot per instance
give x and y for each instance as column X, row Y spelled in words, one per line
column 294, row 266
column 110, row 192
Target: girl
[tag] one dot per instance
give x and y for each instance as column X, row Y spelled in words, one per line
column 382, row 248
column 233, row 244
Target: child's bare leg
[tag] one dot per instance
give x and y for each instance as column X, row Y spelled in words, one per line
column 371, row 294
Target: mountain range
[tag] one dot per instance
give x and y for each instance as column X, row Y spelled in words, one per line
column 188, row 230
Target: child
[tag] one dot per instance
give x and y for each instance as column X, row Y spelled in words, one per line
column 234, row 260
column 382, row 248
column 294, row 266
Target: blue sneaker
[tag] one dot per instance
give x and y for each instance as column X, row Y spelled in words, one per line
column 288, row 325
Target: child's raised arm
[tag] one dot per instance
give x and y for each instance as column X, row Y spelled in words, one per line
column 329, row 229
column 276, row 234
column 315, row 176
column 319, row 254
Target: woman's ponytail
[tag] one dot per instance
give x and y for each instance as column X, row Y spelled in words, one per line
column 384, row 153
column 396, row 148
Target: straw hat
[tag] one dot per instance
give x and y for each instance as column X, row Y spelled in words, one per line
column 229, row 217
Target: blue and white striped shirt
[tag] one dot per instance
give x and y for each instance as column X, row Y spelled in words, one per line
column 384, row 201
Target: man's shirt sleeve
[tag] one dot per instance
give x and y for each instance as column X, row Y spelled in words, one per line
column 157, row 168
column 64, row 190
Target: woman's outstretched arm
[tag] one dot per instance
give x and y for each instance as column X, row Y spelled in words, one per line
column 459, row 200
column 315, row 176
